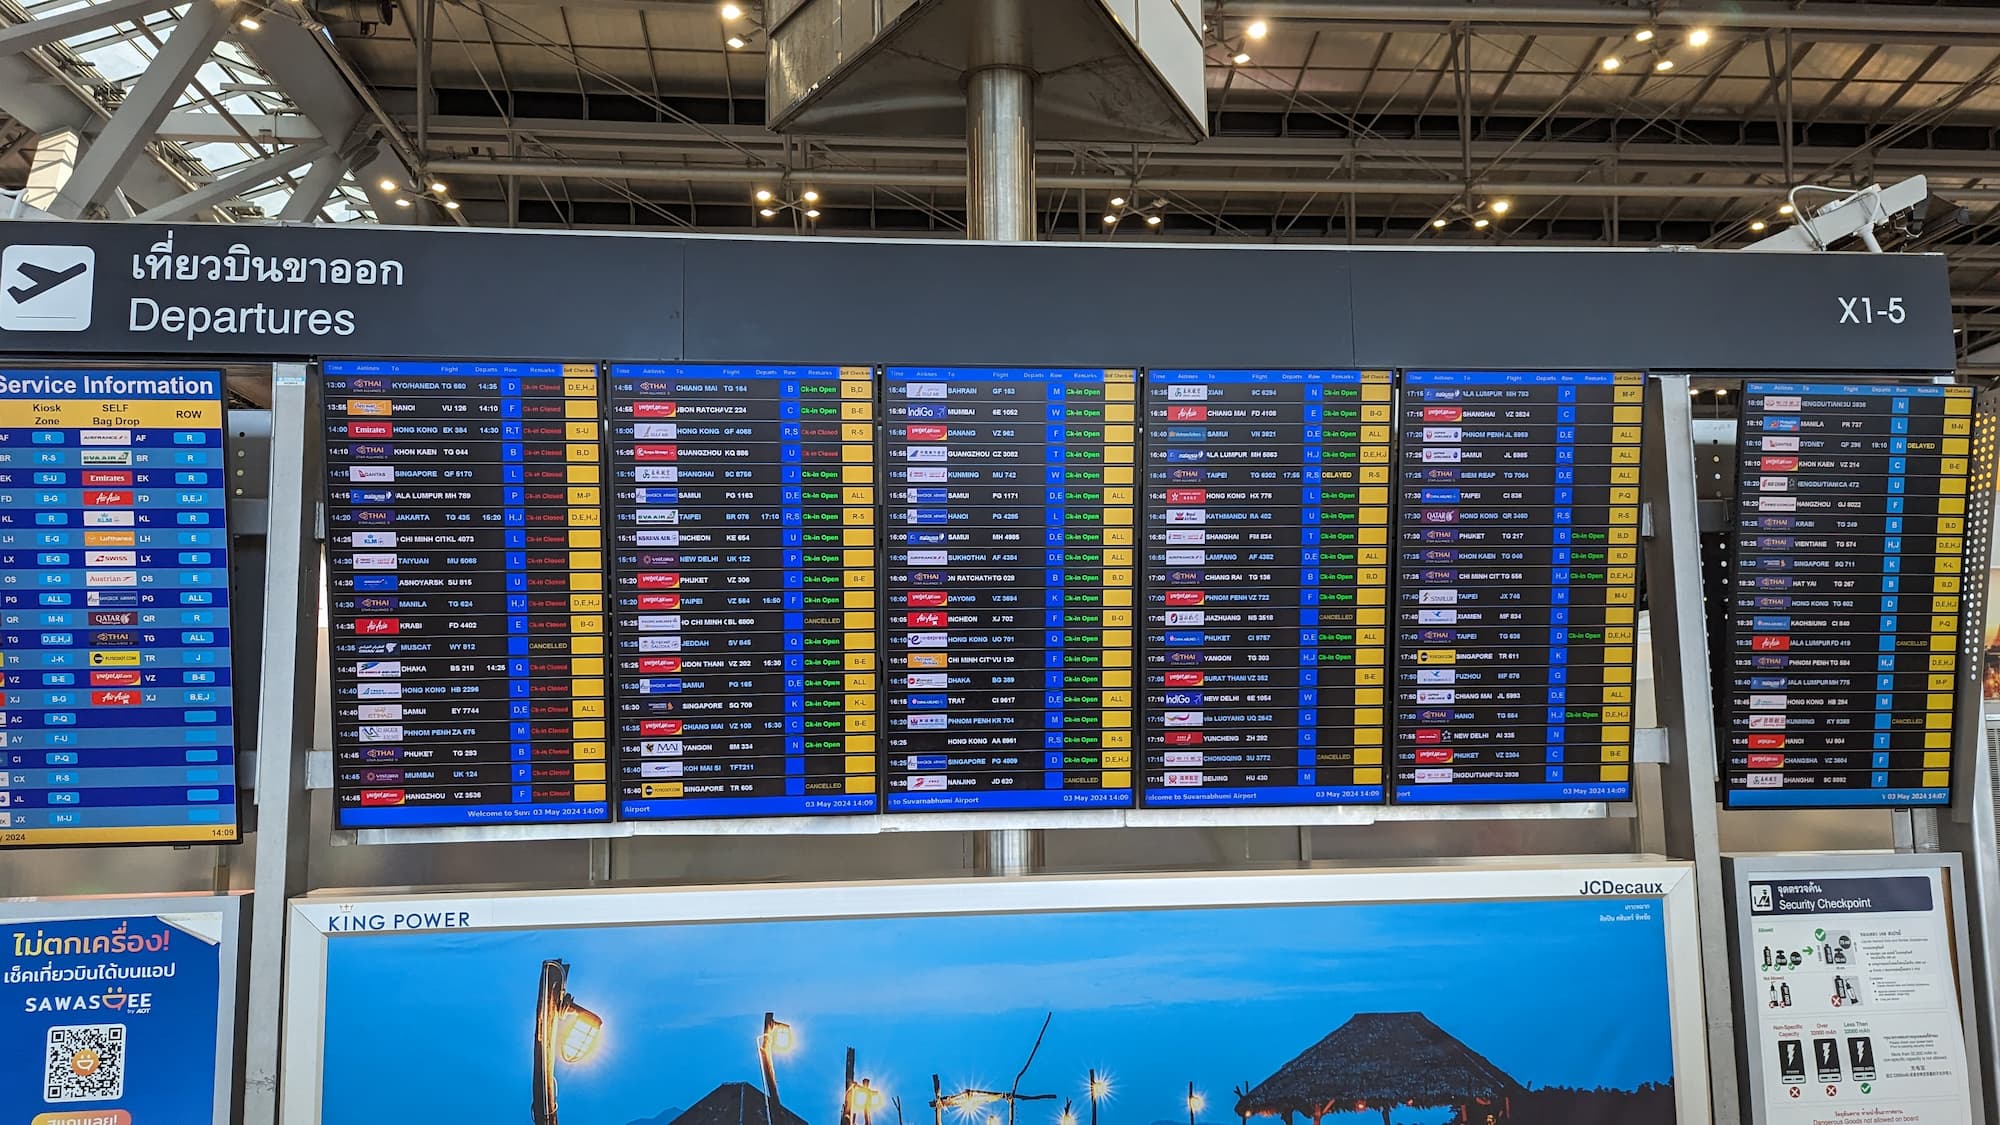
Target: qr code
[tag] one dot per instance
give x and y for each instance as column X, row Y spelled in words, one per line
column 85, row 1063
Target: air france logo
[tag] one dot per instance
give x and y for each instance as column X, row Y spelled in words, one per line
column 48, row 288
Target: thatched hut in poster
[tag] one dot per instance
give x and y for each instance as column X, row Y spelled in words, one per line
column 736, row 1103
column 1379, row 1061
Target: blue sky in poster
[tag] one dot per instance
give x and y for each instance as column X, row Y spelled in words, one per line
column 439, row 1026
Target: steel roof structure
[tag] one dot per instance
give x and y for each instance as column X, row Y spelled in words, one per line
column 1572, row 122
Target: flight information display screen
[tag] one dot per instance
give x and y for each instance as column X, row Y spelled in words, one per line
column 1845, row 580
column 743, row 526
column 466, row 572
column 1011, row 519
column 114, row 609
column 1267, row 560
column 1517, row 556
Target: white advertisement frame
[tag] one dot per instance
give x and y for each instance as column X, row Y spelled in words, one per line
column 228, row 910
column 319, row 919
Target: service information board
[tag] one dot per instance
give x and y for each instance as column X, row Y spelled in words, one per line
column 467, row 581
column 1517, row 592
column 114, row 609
column 118, row 1019
column 1010, row 563
column 1267, row 501
column 743, row 526
column 1847, row 561
column 1853, row 999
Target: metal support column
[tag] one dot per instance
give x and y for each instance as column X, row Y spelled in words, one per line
column 253, row 176
column 1674, row 595
column 1000, row 125
column 318, row 185
column 133, row 126
column 1000, row 206
column 284, row 723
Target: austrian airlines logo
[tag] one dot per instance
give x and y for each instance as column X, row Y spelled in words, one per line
column 48, row 288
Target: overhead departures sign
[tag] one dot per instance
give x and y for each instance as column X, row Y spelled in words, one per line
column 1517, row 554
column 114, row 609
column 1846, row 594
column 1011, row 512
column 1267, row 521
column 467, row 580
column 743, row 529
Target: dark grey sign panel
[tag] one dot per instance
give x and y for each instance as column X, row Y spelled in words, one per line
column 1692, row 310
column 918, row 301
column 335, row 291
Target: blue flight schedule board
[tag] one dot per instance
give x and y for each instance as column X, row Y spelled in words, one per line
column 1010, row 559
column 744, row 586
column 466, row 581
column 1517, row 555
column 1846, row 594
column 114, row 609
column 1266, row 581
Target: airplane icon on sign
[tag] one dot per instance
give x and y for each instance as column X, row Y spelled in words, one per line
column 42, row 280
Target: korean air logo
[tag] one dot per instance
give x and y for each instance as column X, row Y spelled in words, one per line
column 48, row 288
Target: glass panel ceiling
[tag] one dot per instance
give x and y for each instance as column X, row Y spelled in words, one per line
column 228, row 88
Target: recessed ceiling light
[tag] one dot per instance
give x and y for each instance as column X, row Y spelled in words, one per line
column 1664, row 65
column 1482, row 224
column 1500, row 206
column 1440, row 224
column 402, row 201
column 387, row 185
column 731, row 12
column 1698, row 37
column 437, row 186
column 1240, row 57
column 768, row 213
column 735, row 42
column 1644, row 35
column 810, row 197
column 1257, row 29
column 451, row 204
column 812, row 213
column 1118, row 201
column 1785, row 209
column 1153, row 220
column 1756, row 224
column 763, row 196
column 249, row 23
column 1613, row 62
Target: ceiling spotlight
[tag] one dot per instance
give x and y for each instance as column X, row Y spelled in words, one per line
column 1613, row 62
column 387, row 185
column 1118, row 201
column 451, row 204
column 810, row 197
column 768, row 213
column 1110, row 220
column 1756, row 224
column 1664, row 65
column 763, row 196
column 735, row 42
column 1698, row 37
column 812, row 213
column 731, row 12
column 1153, row 220
column 1440, row 223
column 1481, row 224
column 437, row 186
column 1500, row 206
column 249, row 23
column 1785, row 209
column 402, row 201
column 1240, row 57
column 1643, row 35
column 1257, row 29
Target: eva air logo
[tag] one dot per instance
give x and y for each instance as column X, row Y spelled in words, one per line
column 47, row 288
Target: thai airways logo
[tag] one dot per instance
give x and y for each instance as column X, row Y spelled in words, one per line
column 48, row 288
